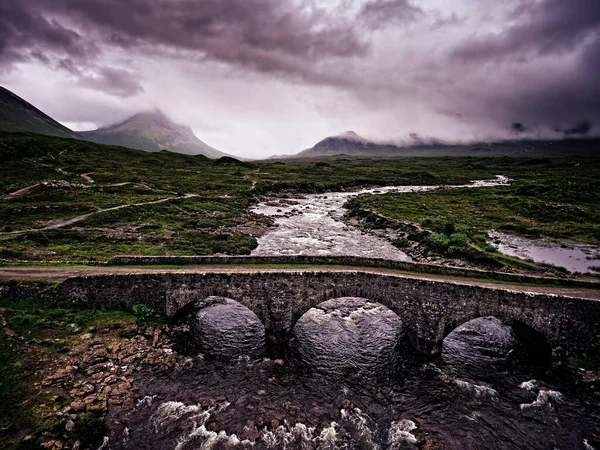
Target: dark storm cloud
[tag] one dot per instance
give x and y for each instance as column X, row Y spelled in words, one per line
column 541, row 35
column 546, row 27
column 266, row 35
column 379, row 13
column 26, row 35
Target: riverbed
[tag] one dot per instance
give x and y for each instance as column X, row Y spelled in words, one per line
column 265, row 405
column 312, row 224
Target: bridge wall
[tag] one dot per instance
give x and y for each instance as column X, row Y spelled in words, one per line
column 429, row 309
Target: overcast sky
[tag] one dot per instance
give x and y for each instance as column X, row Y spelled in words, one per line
column 262, row 77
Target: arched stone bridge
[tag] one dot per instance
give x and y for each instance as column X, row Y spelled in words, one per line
column 429, row 309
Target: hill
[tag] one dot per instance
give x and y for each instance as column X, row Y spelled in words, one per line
column 17, row 114
column 351, row 144
column 153, row 132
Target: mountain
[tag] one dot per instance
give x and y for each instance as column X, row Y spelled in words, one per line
column 348, row 143
column 351, row 144
column 152, row 131
column 17, row 114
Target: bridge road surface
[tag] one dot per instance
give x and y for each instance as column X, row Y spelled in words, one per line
column 62, row 273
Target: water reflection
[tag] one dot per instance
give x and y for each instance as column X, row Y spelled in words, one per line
column 573, row 256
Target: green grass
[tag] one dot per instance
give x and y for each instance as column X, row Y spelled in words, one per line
column 550, row 196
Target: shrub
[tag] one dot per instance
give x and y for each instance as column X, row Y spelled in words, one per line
column 458, row 239
column 439, row 242
column 143, row 314
column 449, row 228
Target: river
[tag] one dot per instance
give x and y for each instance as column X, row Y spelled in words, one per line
column 274, row 402
column 263, row 405
column 312, row 224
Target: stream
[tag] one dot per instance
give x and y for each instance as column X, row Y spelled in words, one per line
column 312, row 224
column 573, row 256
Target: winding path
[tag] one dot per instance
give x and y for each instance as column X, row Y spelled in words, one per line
column 62, row 273
column 64, row 223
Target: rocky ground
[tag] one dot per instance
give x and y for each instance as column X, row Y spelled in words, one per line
column 82, row 396
column 73, row 392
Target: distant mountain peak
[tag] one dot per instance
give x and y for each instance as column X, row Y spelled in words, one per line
column 351, row 136
column 153, row 131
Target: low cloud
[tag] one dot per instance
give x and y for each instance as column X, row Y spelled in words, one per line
column 455, row 71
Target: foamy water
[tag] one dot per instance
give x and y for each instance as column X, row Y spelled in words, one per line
column 312, row 225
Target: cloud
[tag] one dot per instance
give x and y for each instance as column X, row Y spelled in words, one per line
column 236, row 69
column 380, row 13
column 113, row 81
column 26, row 35
column 538, row 28
column 269, row 36
column 265, row 35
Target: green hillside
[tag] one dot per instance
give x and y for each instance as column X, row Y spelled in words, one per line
column 153, row 132
column 17, row 114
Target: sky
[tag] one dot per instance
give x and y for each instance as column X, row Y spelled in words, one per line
column 260, row 77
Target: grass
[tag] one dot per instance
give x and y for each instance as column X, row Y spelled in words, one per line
column 550, row 196
column 558, row 199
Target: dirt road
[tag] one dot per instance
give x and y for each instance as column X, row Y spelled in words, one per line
column 62, row 273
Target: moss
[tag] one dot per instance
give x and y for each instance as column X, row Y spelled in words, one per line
column 89, row 431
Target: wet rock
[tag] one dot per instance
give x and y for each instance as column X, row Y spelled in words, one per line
column 224, row 328
column 349, row 338
column 480, row 348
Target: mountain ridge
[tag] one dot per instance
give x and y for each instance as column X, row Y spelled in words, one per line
column 152, row 131
column 351, row 144
column 17, row 114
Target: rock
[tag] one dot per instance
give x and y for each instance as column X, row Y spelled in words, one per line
column 479, row 348
column 69, row 425
column 224, row 328
column 349, row 338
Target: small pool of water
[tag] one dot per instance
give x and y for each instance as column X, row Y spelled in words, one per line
column 573, row 256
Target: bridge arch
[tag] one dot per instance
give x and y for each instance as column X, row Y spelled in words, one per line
column 497, row 340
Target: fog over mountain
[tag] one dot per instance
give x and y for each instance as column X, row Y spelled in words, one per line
column 262, row 77
column 152, row 131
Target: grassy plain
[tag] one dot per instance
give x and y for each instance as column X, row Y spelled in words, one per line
column 557, row 198
column 44, row 180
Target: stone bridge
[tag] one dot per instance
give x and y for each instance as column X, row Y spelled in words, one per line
column 429, row 309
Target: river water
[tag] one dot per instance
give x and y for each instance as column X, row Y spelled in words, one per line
column 262, row 405
column 573, row 256
column 312, row 224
